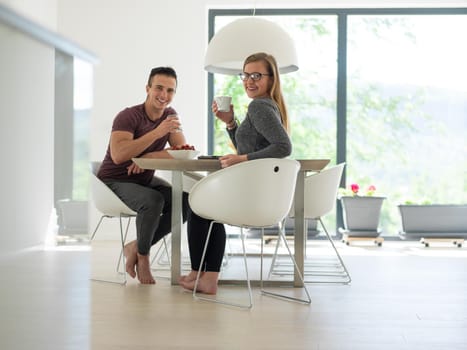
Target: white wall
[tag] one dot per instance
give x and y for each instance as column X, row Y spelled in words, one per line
column 131, row 37
column 43, row 12
column 26, row 123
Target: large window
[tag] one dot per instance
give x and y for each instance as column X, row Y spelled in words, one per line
column 401, row 116
column 407, row 109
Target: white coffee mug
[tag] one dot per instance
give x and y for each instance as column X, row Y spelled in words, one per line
column 223, row 103
column 175, row 116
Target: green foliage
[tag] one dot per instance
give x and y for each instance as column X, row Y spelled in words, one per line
column 394, row 131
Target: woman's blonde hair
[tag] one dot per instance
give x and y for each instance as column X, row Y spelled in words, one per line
column 276, row 91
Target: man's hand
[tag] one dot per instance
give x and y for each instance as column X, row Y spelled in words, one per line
column 134, row 169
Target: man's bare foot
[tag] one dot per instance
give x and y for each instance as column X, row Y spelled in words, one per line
column 190, row 277
column 207, row 284
column 143, row 270
column 130, row 251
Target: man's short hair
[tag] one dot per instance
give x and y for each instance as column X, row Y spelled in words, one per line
column 168, row 71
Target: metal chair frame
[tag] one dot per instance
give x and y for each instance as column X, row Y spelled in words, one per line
column 339, row 269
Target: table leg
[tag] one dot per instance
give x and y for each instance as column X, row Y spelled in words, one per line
column 300, row 234
column 177, row 222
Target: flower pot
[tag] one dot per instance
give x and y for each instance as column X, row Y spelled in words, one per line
column 361, row 215
column 433, row 220
column 72, row 217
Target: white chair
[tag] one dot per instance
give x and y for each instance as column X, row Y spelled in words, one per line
column 110, row 206
column 320, row 199
column 256, row 193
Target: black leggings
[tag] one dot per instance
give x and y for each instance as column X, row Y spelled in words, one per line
column 197, row 233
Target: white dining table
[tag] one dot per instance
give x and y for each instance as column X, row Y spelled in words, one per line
column 178, row 166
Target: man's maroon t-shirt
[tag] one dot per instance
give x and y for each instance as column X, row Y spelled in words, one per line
column 135, row 120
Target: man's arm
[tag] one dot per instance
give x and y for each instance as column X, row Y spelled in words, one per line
column 175, row 139
column 123, row 146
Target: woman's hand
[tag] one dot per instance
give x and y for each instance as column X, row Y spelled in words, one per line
column 226, row 117
column 231, row 159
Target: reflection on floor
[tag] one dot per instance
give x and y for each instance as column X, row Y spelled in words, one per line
column 402, row 296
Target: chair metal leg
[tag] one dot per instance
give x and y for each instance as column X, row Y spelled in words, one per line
column 122, row 256
column 166, row 250
column 246, row 270
column 277, row 295
column 97, row 226
column 338, row 269
column 347, row 274
column 162, row 253
column 123, row 239
column 162, row 258
column 274, row 263
column 226, row 259
column 158, row 255
column 197, row 295
column 123, row 243
column 276, row 250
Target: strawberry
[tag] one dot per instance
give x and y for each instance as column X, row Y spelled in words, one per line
column 184, row 147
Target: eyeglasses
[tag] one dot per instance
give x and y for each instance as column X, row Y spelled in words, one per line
column 254, row 76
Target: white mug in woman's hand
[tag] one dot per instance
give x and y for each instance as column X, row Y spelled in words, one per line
column 223, row 103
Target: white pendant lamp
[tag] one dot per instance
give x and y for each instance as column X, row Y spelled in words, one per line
column 230, row 46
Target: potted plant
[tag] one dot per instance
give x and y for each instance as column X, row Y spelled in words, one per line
column 72, row 220
column 361, row 212
column 426, row 220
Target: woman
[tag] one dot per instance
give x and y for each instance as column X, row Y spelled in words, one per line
column 262, row 134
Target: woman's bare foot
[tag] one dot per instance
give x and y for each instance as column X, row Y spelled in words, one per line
column 190, row 277
column 143, row 270
column 207, row 283
column 130, row 251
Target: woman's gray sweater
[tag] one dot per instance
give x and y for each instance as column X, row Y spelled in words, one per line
column 261, row 134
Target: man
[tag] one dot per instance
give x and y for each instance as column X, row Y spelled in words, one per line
column 144, row 131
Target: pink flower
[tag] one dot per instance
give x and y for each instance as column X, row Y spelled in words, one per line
column 371, row 189
column 354, row 188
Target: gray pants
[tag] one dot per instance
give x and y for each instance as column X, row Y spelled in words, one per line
column 153, row 204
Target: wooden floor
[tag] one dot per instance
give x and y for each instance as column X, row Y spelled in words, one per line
column 403, row 296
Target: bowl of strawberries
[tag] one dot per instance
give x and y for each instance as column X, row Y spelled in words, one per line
column 183, row 152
